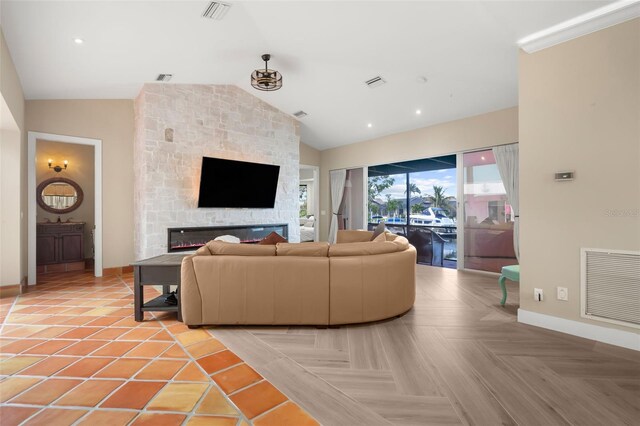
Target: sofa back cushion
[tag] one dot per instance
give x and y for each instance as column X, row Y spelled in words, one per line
column 362, row 248
column 203, row 251
column 318, row 249
column 398, row 240
column 349, row 236
column 230, row 249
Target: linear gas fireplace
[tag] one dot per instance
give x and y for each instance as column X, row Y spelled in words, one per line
column 186, row 239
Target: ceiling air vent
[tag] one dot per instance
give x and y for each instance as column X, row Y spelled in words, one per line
column 375, row 82
column 300, row 114
column 164, row 77
column 216, row 10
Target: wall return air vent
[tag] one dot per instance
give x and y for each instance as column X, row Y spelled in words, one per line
column 216, row 10
column 375, row 82
column 610, row 286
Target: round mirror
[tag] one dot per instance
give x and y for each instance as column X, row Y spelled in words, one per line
column 59, row 195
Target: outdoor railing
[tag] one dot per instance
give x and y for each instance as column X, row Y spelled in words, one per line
column 435, row 244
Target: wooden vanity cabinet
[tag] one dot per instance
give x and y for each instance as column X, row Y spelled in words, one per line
column 60, row 247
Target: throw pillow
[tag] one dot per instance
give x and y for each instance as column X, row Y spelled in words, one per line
column 379, row 230
column 228, row 239
column 380, row 238
column 273, row 239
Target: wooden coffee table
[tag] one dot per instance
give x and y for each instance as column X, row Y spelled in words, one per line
column 161, row 270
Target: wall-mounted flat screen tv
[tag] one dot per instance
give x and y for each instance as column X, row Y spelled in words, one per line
column 230, row 183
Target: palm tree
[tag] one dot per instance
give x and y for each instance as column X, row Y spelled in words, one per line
column 438, row 199
column 413, row 189
column 392, row 205
column 417, row 208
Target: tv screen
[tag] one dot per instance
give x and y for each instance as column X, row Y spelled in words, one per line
column 229, row 183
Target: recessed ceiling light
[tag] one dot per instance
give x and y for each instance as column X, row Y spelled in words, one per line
column 482, row 158
column 78, row 40
column 369, row 125
column 418, row 112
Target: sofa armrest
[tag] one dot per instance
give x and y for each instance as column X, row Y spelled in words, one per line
column 371, row 288
column 190, row 297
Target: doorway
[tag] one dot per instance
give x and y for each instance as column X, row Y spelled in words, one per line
column 35, row 162
column 309, row 202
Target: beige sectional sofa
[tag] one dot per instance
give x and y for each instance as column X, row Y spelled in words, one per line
column 353, row 281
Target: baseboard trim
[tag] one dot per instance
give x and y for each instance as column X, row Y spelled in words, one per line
column 117, row 271
column 10, row 290
column 612, row 336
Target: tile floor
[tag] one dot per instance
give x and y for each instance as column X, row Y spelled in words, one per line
column 71, row 353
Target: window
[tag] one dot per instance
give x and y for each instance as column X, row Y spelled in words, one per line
column 302, row 199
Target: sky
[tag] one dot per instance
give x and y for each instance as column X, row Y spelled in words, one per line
column 425, row 181
column 445, row 178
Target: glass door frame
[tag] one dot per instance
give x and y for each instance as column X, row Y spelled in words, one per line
column 460, row 214
column 460, row 210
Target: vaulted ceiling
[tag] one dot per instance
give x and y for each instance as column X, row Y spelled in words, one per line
column 325, row 50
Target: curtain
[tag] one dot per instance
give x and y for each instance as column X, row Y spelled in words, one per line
column 338, row 178
column 507, row 162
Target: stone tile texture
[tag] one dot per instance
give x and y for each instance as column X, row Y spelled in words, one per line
column 214, row 121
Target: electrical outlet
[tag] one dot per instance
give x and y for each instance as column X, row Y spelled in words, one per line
column 537, row 295
column 563, row 293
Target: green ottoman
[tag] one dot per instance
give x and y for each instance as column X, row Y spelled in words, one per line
column 511, row 272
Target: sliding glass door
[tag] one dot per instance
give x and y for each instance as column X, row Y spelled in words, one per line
column 488, row 218
column 417, row 199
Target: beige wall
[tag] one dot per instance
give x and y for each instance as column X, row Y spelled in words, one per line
column 10, row 271
column 309, row 156
column 10, row 86
column 486, row 130
column 579, row 111
column 14, row 150
column 80, row 170
column 112, row 122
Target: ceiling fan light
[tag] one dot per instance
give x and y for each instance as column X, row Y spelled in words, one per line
column 266, row 79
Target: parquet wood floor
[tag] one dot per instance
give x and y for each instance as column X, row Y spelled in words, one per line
column 457, row 358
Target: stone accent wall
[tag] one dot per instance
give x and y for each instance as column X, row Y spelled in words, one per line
column 176, row 125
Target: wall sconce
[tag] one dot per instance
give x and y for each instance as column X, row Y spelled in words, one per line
column 58, row 169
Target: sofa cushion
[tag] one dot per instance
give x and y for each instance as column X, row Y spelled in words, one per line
column 318, row 249
column 398, row 240
column 203, row 251
column 362, row 249
column 230, row 249
column 348, row 236
column 379, row 230
column 273, row 239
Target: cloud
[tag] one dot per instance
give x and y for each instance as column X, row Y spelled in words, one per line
column 425, row 181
